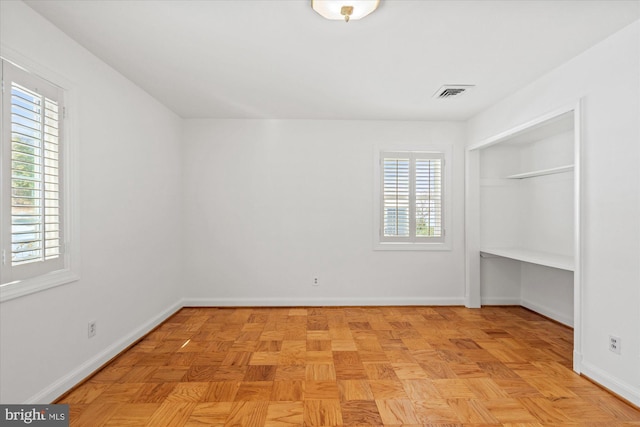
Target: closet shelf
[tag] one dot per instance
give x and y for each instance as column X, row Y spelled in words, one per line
column 541, row 172
column 562, row 262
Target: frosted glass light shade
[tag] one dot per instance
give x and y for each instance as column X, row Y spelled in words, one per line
column 331, row 9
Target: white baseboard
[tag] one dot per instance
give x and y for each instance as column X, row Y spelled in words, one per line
column 500, row 301
column 64, row 384
column 616, row 385
column 545, row 311
column 551, row 314
column 316, row 302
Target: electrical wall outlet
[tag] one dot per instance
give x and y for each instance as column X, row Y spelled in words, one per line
column 615, row 344
column 91, row 329
column 315, row 281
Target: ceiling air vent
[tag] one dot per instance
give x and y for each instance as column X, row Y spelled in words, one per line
column 450, row 91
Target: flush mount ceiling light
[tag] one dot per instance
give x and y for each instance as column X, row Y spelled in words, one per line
column 344, row 9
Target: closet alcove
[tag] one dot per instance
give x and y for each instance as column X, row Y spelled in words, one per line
column 523, row 219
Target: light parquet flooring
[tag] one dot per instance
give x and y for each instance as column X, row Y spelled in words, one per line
column 351, row 366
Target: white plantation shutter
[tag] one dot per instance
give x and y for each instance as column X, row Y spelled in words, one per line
column 412, row 197
column 35, row 199
column 32, row 209
column 428, row 197
column 396, row 187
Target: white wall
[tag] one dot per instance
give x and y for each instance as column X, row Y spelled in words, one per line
column 270, row 204
column 607, row 78
column 130, row 182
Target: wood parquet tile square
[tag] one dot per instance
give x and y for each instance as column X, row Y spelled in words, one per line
column 153, row 392
column 260, row 373
column 285, row 414
column 396, row 411
column 254, row 391
column 351, row 366
column 188, row 392
column 221, row 391
column 435, row 412
column 321, row 390
column 247, row 413
column 132, row 415
column 360, row 413
column 354, row 390
column 385, row 389
column 209, row 414
column 324, row 412
column 288, row 390
column 201, row 373
column 291, row 372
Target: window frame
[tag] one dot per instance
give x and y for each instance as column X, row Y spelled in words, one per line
column 14, row 285
column 411, row 242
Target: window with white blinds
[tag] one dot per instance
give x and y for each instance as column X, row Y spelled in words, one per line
column 412, row 208
column 35, row 177
column 428, row 197
column 32, row 228
column 396, row 195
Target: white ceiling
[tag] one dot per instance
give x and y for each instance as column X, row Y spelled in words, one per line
column 279, row 59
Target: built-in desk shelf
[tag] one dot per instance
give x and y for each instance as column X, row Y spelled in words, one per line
column 541, row 172
column 562, row 262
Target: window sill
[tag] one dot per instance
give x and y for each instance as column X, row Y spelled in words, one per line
column 411, row 246
column 24, row 287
